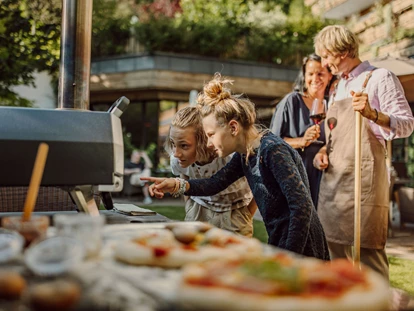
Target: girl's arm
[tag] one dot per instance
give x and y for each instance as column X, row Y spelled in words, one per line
column 186, row 197
column 200, row 187
column 219, row 181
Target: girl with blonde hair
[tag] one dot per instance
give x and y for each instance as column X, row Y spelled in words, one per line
column 232, row 208
column 273, row 169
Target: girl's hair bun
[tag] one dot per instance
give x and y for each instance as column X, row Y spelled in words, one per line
column 216, row 89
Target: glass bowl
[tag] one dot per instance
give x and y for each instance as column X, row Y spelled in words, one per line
column 54, row 256
column 11, row 245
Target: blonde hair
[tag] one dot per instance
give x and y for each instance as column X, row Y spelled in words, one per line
column 217, row 99
column 190, row 117
column 336, row 40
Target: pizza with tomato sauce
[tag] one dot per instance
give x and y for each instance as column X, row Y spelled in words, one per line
column 283, row 283
column 184, row 244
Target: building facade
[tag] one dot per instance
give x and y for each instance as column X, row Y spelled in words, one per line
column 159, row 84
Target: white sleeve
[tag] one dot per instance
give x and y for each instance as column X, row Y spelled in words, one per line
column 175, row 168
column 393, row 102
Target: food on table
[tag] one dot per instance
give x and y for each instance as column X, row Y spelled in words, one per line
column 12, row 284
column 34, row 228
column 181, row 245
column 199, row 226
column 55, row 295
column 54, row 256
column 11, row 245
column 283, row 283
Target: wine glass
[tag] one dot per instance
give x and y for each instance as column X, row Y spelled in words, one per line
column 318, row 114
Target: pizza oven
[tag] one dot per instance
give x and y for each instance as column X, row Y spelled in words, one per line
column 86, row 151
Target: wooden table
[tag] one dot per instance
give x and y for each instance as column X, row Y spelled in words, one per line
column 111, row 216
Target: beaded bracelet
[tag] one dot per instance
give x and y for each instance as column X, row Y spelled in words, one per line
column 181, row 188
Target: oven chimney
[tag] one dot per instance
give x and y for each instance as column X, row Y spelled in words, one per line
column 75, row 54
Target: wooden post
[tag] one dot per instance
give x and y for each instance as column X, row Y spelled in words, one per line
column 357, row 200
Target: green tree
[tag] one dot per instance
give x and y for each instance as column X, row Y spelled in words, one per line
column 110, row 27
column 240, row 29
column 29, row 36
column 30, row 40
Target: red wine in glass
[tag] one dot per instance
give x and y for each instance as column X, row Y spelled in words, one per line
column 318, row 113
column 318, row 118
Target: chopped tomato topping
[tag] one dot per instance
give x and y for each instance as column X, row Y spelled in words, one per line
column 160, row 252
column 326, row 289
column 201, row 282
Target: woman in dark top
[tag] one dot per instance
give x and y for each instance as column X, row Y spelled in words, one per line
column 273, row 169
column 291, row 119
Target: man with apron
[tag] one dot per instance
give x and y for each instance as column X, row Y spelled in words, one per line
column 378, row 95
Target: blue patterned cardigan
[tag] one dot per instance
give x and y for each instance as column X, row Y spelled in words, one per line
column 278, row 180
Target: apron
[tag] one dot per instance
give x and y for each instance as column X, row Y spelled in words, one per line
column 336, row 196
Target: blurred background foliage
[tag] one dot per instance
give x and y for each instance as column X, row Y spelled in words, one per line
column 30, row 40
column 273, row 31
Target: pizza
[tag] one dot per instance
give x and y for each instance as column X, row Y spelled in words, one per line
column 281, row 282
column 180, row 245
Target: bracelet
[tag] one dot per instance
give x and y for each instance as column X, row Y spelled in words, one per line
column 181, row 188
column 176, row 186
column 376, row 118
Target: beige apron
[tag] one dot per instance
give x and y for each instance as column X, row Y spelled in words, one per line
column 336, row 196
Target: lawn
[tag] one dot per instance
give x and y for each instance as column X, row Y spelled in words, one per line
column 401, row 270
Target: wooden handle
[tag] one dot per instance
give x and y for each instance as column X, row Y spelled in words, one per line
column 35, row 180
column 357, row 199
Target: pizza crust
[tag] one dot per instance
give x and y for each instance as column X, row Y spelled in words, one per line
column 374, row 297
column 358, row 299
column 177, row 255
column 130, row 252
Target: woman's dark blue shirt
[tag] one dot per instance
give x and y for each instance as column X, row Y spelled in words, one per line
column 291, row 119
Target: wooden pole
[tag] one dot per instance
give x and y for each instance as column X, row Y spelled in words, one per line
column 35, row 181
column 357, row 199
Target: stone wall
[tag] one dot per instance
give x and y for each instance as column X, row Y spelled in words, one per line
column 385, row 28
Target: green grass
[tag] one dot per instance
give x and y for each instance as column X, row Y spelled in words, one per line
column 401, row 270
column 171, row 212
column 402, row 274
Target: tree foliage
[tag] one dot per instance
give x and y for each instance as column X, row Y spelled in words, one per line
column 233, row 29
column 244, row 29
column 110, row 27
column 29, row 35
column 30, row 40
